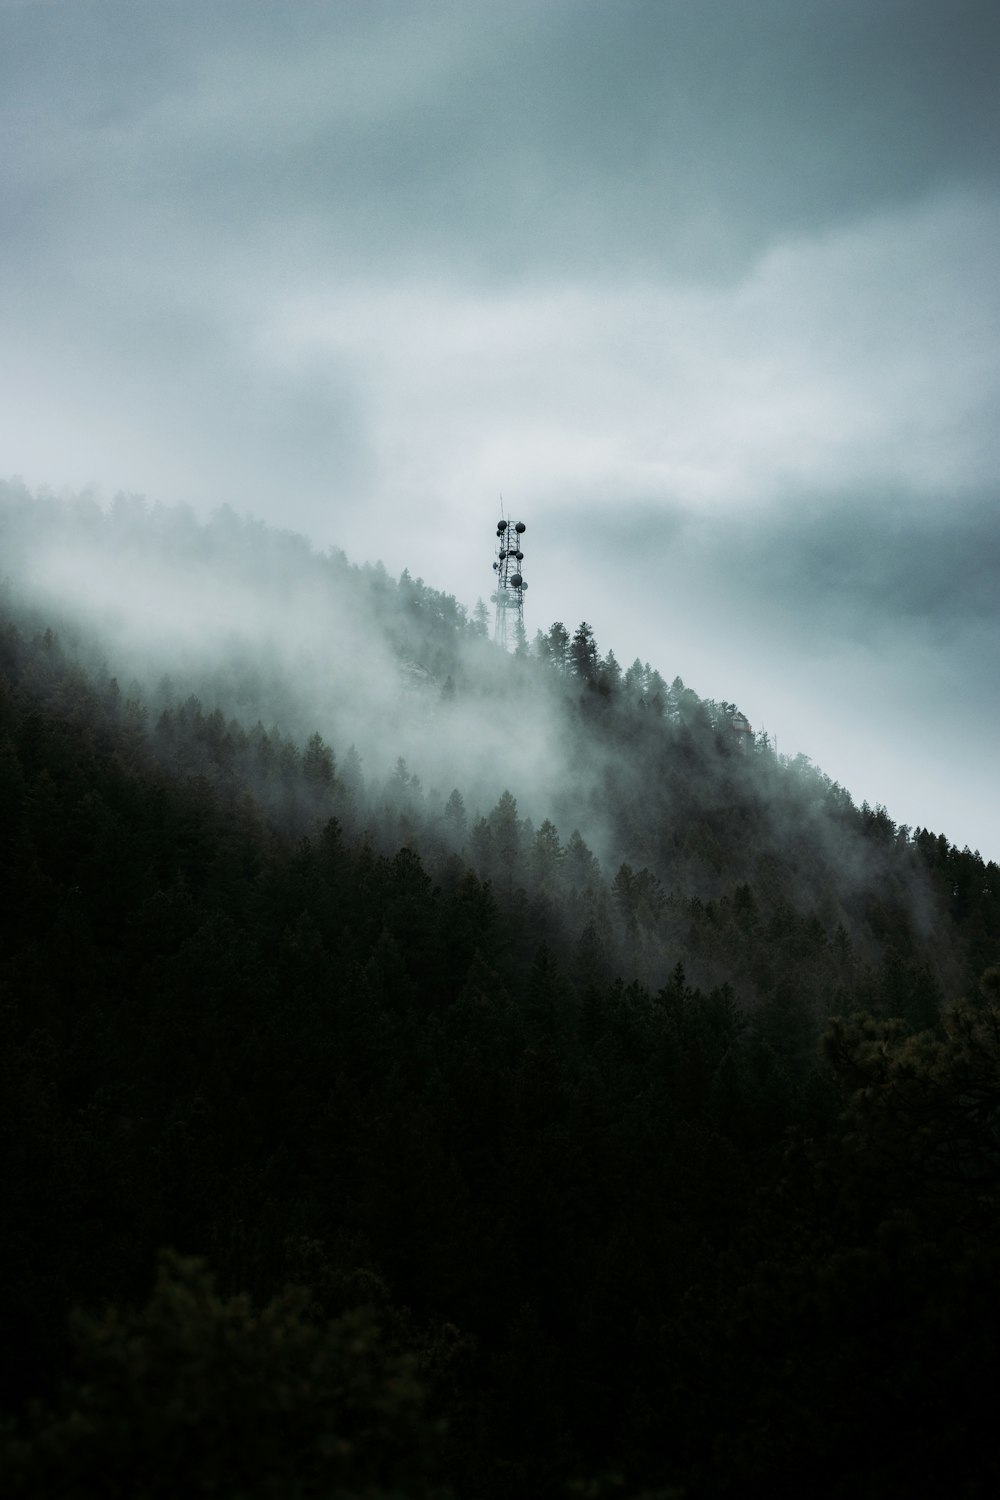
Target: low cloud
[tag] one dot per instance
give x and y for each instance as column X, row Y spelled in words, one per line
column 846, row 568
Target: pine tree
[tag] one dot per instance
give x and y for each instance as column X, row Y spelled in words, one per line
column 583, row 654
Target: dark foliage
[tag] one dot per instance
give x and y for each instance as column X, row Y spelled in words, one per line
column 683, row 1175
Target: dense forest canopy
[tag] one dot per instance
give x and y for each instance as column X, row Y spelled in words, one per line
column 615, row 1087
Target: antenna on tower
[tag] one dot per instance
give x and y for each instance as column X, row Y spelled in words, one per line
column 508, row 565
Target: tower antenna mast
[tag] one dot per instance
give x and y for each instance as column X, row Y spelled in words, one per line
column 508, row 565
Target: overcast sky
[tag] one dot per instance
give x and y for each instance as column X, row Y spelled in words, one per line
column 707, row 288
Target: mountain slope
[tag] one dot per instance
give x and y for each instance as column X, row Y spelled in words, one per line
column 555, row 1106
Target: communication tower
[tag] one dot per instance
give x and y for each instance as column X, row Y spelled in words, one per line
column 508, row 565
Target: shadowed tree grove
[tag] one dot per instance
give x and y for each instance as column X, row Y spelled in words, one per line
column 632, row 1130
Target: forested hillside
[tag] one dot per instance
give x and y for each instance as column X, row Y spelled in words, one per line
column 622, row 1099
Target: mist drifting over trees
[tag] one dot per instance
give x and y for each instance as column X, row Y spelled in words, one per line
column 620, row 1097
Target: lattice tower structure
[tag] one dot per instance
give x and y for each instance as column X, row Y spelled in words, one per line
column 510, row 585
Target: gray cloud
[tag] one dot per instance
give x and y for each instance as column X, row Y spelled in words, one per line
column 873, row 561
column 610, row 139
column 849, row 566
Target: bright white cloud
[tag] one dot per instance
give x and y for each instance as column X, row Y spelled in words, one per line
column 866, row 356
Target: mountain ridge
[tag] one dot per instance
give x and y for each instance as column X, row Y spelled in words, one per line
column 619, row 1154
